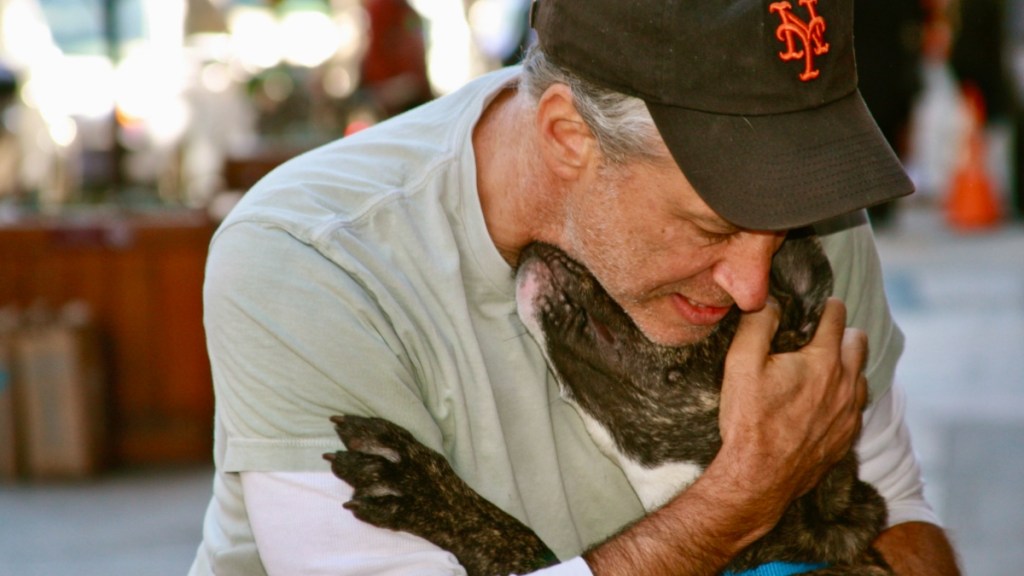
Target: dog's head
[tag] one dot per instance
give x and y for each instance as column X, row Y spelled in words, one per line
column 587, row 335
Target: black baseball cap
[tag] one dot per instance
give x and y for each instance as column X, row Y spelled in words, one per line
column 757, row 100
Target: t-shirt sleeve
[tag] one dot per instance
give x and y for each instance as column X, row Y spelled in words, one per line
column 302, row 528
column 850, row 246
column 887, row 458
column 888, row 461
column 294, row 339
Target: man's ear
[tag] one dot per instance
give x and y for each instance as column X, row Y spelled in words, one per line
column 567, row 144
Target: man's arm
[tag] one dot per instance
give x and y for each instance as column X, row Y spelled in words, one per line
column 918, row 549
column 302, row 528
column 913, row 545
column 785, row 419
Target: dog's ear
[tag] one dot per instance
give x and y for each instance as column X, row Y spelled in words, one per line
column 801, row 281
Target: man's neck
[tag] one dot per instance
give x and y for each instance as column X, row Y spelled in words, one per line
column 509, row 174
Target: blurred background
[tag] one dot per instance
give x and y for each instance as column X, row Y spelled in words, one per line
column 141, row 103
column 129, row 128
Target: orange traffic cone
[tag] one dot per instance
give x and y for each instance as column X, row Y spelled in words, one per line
column 972, row 203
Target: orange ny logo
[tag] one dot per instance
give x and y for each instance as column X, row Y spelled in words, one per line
column 810, row 33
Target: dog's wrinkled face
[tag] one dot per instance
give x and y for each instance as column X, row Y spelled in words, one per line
column 610, row 371
column 586, row 335
column 567, row 310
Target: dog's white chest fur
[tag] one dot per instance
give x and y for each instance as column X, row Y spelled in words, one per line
column 654, row 486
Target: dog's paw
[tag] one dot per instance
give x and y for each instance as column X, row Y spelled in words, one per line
column 395, row 479
column 401, row 484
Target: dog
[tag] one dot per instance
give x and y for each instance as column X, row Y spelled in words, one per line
column 653, row 409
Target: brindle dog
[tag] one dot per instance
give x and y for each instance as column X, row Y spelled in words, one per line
column 651, row 408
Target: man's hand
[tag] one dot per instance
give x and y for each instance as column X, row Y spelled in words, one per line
column 785, row 419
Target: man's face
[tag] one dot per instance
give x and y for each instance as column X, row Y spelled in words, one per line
column 670, row 261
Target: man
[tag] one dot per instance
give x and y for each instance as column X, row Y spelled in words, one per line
column 373, row 276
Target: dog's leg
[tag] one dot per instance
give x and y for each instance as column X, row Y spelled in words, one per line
column 401, row 484
column 870, row 563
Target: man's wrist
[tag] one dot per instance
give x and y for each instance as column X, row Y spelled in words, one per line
column 746, row 506
column 697, row 532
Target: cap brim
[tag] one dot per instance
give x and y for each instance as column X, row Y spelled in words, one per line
column 781, row 171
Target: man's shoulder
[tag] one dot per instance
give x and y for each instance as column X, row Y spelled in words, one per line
column 849, row 243
column 426, row 149
column 846, row 236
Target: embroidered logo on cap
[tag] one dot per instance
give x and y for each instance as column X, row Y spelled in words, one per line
column 810, row 33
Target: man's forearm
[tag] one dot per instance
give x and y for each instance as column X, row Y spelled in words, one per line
column 918, row 549
column 696, row 533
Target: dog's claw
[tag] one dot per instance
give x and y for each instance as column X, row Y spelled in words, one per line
column 400, row 484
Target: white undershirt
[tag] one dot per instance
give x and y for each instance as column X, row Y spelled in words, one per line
column 301, row 528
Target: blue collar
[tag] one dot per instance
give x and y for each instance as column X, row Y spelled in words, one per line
column 778, row 569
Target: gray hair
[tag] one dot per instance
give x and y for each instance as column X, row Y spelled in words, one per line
column 621, row 124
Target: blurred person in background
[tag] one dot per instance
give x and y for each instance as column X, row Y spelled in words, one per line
column 977, row 53
column 669, row 147
column 393, row 75
column 1014, row 51
column 10, row 151
column 985, row 57
column 888, row 40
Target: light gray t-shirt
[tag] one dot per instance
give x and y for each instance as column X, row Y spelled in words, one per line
column 360, row 278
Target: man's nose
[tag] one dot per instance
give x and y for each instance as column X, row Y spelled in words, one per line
column 744, row 269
